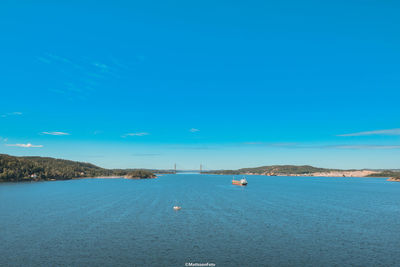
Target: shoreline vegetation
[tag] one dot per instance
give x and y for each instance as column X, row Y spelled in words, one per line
column 306, row 170
column 135, row 174
column 140, row 174
column 17, row 169
column 24, row 169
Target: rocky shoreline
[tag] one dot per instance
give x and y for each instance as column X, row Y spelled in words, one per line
column 355, row 173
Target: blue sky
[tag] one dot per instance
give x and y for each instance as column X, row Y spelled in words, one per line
column 228, row 84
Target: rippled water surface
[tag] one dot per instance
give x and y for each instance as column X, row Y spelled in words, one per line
column 274, row 221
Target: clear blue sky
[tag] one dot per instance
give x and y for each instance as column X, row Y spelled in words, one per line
column 225, row 83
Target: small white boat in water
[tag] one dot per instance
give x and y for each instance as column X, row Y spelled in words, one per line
column 177, row 208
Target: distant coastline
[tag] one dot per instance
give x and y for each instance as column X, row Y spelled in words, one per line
column 117, row 177
column 353, row 173
column 106, row 177
column 310, row 171
column 25, row 169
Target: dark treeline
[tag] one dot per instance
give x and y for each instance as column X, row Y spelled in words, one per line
column 140, row 174
column 44, row 168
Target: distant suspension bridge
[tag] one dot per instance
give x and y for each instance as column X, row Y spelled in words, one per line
column 200, row 170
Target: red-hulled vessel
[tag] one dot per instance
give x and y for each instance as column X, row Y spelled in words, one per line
column 241, row 182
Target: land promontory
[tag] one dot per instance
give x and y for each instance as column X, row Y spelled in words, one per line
column 17, row 169
column 140, row 174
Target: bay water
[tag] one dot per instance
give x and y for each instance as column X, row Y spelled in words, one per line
column 274, row 221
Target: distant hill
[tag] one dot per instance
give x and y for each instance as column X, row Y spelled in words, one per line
column 276, row 170
column 44, row 168
column 306, row 170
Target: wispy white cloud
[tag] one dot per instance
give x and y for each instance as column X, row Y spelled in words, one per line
column 284, row 144
column 376, row 132
column 254, row 143
column 55, row 133
column 194, row 130
column 100, row 65
column 194, row 147
column 81, row 75
column 117, row 63
column 28, row 145
column 135, row 134
column 16, row 113
column 146, row 155
column 58, row 91
column 321, row 146
column 44, row 60
column 51, row 57
column 365, row 147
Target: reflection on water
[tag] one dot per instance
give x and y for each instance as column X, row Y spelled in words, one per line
column 273, row 221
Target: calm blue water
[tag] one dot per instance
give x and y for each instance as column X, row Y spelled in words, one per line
column 274, row 221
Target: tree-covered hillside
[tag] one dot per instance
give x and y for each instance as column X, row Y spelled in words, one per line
column 43, row 168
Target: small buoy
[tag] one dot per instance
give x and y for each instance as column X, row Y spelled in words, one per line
column 177, row 208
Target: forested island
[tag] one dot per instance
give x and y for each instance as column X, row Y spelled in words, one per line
column 140, row 174
column 14, row 169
